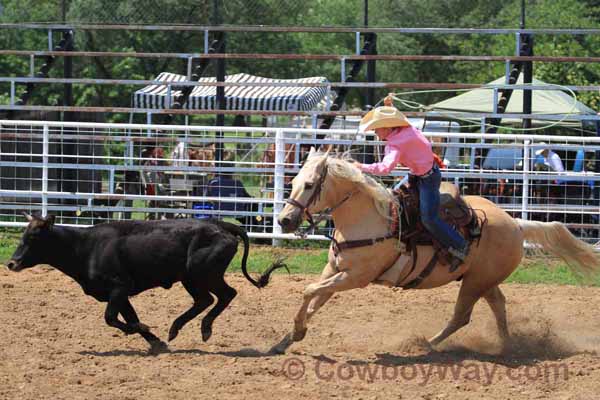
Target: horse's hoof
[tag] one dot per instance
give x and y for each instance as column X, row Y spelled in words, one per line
column 282, row 346
column 299, row 334
column 430, row 345
column 277, row 350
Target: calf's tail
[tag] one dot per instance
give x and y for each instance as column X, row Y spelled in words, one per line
column 263, row 280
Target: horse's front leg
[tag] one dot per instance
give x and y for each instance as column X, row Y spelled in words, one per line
column 315, row 304
column 320, row 293
column 327, row 288
column 318, row 301
column 338, row 282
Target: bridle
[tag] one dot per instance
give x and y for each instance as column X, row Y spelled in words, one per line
column 314, row 197
column 336, row 246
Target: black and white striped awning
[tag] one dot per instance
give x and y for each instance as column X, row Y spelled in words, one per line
column 260, row 98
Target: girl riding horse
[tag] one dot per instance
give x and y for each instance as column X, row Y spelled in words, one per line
column 406, row 145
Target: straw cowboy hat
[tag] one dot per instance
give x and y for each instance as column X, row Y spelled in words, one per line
column 383, row 117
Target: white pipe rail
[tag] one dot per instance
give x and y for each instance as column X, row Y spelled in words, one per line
column 45, row 139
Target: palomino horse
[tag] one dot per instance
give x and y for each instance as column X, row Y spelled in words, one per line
column 360, row 208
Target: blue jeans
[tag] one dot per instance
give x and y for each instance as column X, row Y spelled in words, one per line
column 429, row 198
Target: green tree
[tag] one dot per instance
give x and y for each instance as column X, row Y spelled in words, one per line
column 382, row 13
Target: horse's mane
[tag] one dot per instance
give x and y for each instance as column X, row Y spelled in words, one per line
column 338, row 167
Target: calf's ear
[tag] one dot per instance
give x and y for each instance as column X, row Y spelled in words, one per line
column 27, row 216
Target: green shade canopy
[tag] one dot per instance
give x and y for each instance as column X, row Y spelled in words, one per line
column 553, row 101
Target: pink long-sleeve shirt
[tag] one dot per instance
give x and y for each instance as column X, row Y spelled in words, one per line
column 407, row 146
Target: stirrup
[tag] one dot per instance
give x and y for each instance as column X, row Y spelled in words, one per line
column 458, row 257
column 455, row 263
column 461, row 254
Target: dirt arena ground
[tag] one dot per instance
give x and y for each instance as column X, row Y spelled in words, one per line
column 367, row 343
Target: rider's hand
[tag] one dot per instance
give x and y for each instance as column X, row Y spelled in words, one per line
column 389, row 100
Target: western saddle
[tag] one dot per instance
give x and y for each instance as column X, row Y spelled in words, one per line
column 453, row 210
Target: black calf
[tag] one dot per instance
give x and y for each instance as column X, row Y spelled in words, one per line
column 113, row 261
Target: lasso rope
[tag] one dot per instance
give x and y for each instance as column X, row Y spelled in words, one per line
column 388, row 100
column 391, row 97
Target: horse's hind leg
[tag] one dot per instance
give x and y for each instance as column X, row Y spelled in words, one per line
column 497, row 303
column 202, row 299
column 462, row 314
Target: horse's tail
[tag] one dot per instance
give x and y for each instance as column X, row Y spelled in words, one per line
column 556, row 239
column 263, row 280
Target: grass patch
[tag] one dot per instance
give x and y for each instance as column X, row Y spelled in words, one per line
column 9, row 239
column 549, row 271
column 304, row 261
column 535, row 270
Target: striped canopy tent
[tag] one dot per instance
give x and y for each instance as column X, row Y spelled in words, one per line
column 258, row 98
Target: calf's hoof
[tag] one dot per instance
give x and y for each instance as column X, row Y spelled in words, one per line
column 173, row 332
column 206, row 333
column 158, row 347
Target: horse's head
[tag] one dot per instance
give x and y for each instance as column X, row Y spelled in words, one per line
column 308, row 192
